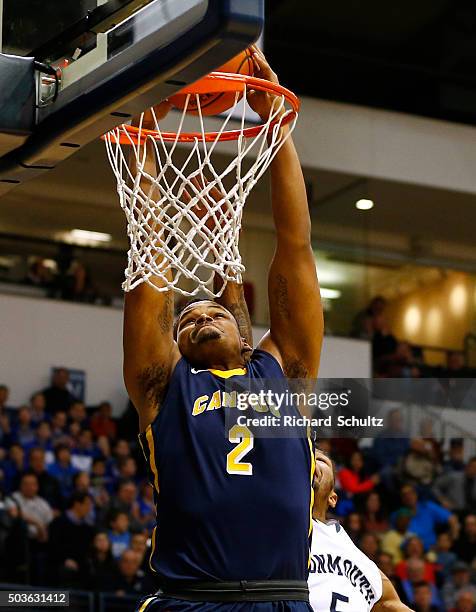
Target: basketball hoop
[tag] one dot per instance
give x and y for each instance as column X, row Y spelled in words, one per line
column 184, row 223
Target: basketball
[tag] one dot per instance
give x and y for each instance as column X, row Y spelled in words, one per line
column 216, row 103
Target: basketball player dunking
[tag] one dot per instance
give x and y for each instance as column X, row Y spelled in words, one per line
column 341, row 577
column 220, row 500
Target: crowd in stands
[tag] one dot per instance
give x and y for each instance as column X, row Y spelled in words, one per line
column 410, row 505
column 76, row 509
column 393, row 358
column 67, row 279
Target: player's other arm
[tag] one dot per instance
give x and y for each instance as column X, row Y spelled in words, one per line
column 390, row 601
column 150, row 352
column 297, row 323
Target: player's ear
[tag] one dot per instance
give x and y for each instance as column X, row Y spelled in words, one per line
column 333, row 499
column 245, row 347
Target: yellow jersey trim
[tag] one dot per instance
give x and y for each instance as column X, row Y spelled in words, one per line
column 228, row 373
column 153, row 467
column 313, row 470
column 146, row 603
column 152, row 551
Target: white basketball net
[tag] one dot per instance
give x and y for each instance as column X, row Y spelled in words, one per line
column 184, row 222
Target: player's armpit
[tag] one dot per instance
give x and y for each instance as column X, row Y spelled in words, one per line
column 390, row 601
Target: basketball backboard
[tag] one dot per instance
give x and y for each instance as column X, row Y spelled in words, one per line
column 72, row 70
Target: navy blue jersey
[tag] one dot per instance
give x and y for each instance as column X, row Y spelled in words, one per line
column 227, row 508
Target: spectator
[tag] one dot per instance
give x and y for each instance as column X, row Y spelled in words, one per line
column 385, row 565
column 384, row 344
column 465, row 546
column 369, row 545
column 418, row 466
column 393, row 540
column 352, row 479
column 455, row 461
column 393, row 443
column 5, row 428
column 58, row 426
column 100, row 482
column 35, row 510
column 38, row 273
column 37, row 409
column 23, row 432
column 70, row 540
column 416, row 571
column 49, row 487
column 83, row 454
column 119, row 534
column 427, row 433
column 127, row 468
column 12, row 467
column 456, row 490
column 423, row 598
column 104, row 447
column 78, row 414
column 121, row 449
column 147, row 512
column 413, row 549
column 456, row 367
column 14, row 549
column 374, row 518
column 101, row 566
column 43, row 440
column 82, row 484
column 63, row 470
column 57, row 396
column 445, row 558
column 125, row 500
column 426, row 516
column 353, row 526
column 102, row 423
column 130, row 579
column 401, row 363
column 4, row 407
column 465, row 601
column 139, row 546
column 460, row 580
column 363, row 323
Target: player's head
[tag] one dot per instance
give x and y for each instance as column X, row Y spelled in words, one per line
column 207, row 334
column 324, row 484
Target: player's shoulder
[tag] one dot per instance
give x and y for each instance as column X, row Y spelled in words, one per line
column 331, row 527
column 263, row 360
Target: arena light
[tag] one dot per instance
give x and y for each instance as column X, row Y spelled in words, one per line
column 364, row 204
column 79, row 234
column 330, row 294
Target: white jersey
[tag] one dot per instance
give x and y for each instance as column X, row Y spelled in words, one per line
column 341, row 577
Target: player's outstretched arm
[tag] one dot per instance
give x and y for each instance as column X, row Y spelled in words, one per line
column 296, row 317
column 150, row 352
column 390, row 601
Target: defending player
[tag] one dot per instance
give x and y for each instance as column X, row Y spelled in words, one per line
column 341, row 577
column 223, row 499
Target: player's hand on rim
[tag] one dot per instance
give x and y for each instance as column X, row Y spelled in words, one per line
column 260, row 101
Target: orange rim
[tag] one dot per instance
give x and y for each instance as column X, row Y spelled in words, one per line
column 215, row 82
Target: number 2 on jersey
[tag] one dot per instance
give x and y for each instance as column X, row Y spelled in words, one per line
column 242, row 436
